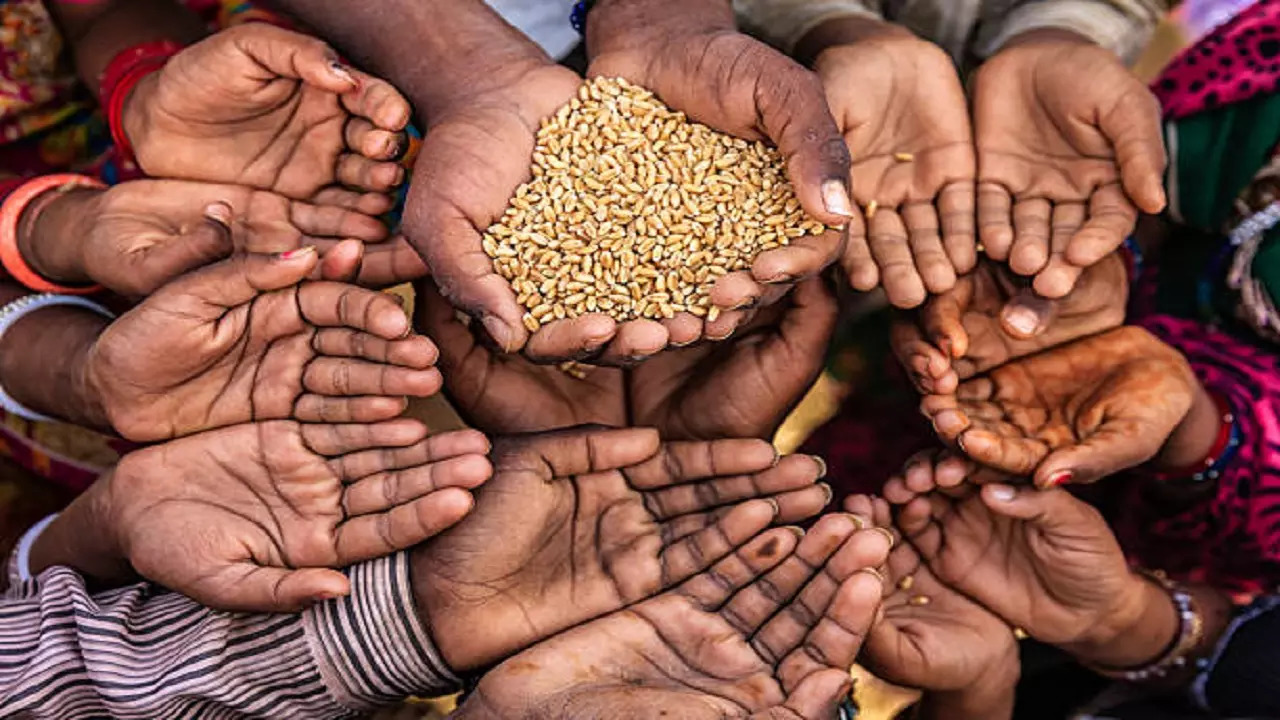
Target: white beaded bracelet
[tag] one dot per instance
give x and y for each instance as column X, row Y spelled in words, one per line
column 20, row 308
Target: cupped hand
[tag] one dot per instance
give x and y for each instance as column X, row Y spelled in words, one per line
column 769, row 633
column 745, row 386
column 993, row 316
column 136, row 236
column 579, row 523
column 1069, row 150
column 904, row 115
column 1076, row 413
column 259, row 517
column 1040, row 559
column 696, row 62
column 508, row 393
column 275, row 110
column 247, row 339
column 932, row 637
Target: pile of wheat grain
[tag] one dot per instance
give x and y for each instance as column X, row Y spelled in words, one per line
column 635, row 212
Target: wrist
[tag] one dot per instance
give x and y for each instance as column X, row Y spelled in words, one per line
column 134, row 113
column 1140, row 627
column 1046, row 37
column 619, row 25
column 42, row 361
column 83, row 537
column 52, row 241
column 847, row 30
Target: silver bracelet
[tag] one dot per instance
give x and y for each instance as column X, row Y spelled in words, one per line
column 22, row 307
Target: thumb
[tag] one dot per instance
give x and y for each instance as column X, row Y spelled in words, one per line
column 1027, row 314
column 818, row 695
column 342, row 262
column 943, row 321
column 272, row 589
column 293, row 55
column 1116, row 446
column 1134, row 128
column 209, row 242
column 208, row 292
column 1049, row 509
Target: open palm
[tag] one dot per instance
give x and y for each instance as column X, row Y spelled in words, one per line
column 579, row 523
column 768, row 633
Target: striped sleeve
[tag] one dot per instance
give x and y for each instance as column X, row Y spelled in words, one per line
column 139, row 652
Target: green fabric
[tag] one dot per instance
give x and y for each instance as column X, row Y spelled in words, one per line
column 1217, row 155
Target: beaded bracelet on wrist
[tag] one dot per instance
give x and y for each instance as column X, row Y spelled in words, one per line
column 1220, row 455
column 578, row 16
column 1179, row 653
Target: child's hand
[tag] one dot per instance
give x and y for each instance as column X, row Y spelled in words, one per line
column 904, row 116
column 1069, row 150
column 1073, row 414
column 260, row 517
column 272, row 109
column 992, row 316
column 134, row 237
column 245, row 339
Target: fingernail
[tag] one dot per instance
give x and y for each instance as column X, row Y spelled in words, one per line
column 774, row 504
column 400, row 175
column 782, row 277
column 873, row 573
column 296, row 253
column 498, row 330
column 747, row 304
column 389, row 146
column 1003, row 493
column 796, row 530
column 341, row 72
column 1024, row 320
column 858, row 521
column 1061, row 477
column 218, row 212
column 822, row 466
column 836, row 199
column 827, row 492
column 888, row 535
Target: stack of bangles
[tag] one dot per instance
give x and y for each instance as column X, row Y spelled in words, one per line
column 121, row 76
column 18, row 214
column 1180, row 653
column 1220, row 454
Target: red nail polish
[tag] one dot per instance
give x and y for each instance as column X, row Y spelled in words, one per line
column 297, row 252
column 1062, row 477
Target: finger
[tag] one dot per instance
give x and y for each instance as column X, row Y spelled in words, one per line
column 340, row 261
column 750, row 608
column 1133, row 126
column 804, row 257
column 795, row 506
column 722, row 327
column 415, row 351
column 207, row 293
column 1015, row 455
column 293, row 55
column 372, row 142
column 330, row 304
column 389, row 263
column 943, row 321
column 1030, row 249
column 892, row 253
column 1116, row 446
column 697, row 551
column 956, row 211
column 371, row 536
column 834, row 640
column 335, row 222
column 736, row 290
column 578, row 451
column 800, row 124
column 1049, row 509
column 925, row 238
column 347, row 377
column 572, row 338
column 245, row 587
column 440, row 446
column 356, row 171
column 1027, row 315
column 857, row 261
column 329, row 409
column 372, row 204
column 1059, row 276
column 635, row 341
column 382, row 491
column 819, row 694
column 995, row 220
column 207, row 243
column 792, row 626
column 1112, row 217
column 333, row 439
column 682, row 330
column 686, row 461
column 377, row 101
column 710, row 589
column 791, row 474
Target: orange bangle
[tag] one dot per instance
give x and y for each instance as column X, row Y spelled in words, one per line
column 11, row 211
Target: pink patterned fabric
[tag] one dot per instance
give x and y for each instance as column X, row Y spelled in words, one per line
column 1235, row 62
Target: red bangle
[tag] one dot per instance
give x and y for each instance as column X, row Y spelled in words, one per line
column 123, row 73
column 1220, row 444
column 39, row 190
